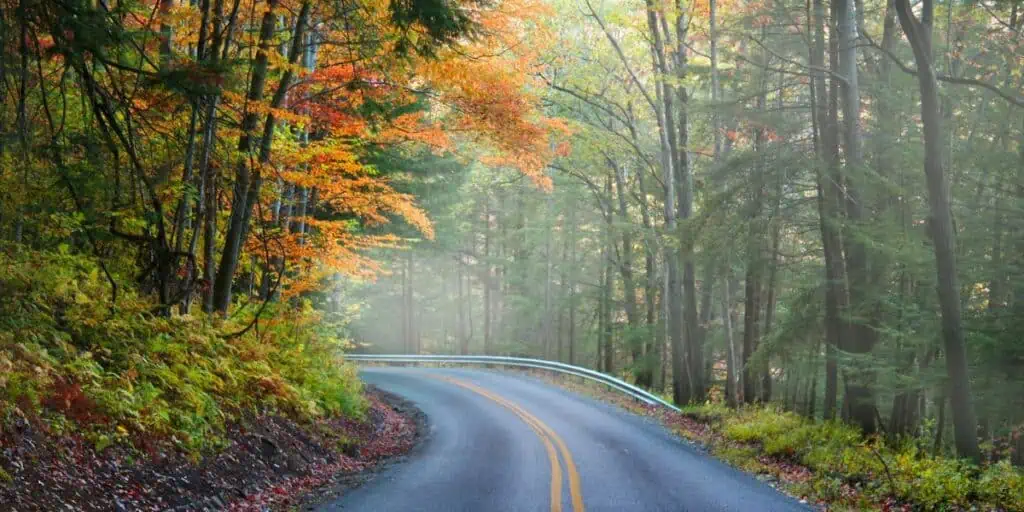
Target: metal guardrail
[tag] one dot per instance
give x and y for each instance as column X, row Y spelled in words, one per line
column 522, row 362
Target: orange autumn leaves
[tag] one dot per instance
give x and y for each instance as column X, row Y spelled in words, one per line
column 478, row 94
column 489, row 84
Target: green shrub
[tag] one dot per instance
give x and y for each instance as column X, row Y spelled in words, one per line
column 117, row 374
column 838, row 455
column 1001, row 485
column 759, row 425
column 929, row 482
column 708, row 412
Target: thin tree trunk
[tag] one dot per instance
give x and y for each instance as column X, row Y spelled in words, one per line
column 489, row 277
column 632, row 338
column 21, row 116
column 460, row 314
column 645, row 377
column 410, row 299
column 769, row 315
column 546, row 318
column 730, row 362
column 607, row 350
column 571, row 335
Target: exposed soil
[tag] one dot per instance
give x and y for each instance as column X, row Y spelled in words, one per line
column 271, row 463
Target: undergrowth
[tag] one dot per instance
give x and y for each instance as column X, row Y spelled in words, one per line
column 69, row 361
column 840, row 459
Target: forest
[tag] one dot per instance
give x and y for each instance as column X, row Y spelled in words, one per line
column 816, row 204
column 809, row 207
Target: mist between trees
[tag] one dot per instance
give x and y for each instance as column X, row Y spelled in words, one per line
column 816, row 204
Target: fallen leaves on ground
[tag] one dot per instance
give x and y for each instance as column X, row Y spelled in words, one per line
column 271, row 462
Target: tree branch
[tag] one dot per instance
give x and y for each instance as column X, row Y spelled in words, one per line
column 1008, row 97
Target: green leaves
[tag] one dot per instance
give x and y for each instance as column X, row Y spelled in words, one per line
column 428, row 24
column 133, row 374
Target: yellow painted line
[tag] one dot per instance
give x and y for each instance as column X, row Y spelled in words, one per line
column 556, row 468
column 548, row 436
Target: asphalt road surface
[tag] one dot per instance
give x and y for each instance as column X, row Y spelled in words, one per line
column 504, row 442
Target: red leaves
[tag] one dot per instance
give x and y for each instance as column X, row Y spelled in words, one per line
column 68, row 399
column 387, row 435
column 66, row 472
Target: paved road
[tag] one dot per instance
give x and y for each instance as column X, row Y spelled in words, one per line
column 504, row 442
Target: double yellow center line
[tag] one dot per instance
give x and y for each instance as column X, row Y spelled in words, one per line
column 550, row 440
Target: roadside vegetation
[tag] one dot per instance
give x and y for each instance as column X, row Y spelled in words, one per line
column 833, row 463
column 73, row 364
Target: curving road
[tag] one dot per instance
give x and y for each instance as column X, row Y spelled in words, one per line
column 505, row 442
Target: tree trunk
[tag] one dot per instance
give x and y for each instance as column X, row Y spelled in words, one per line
column 860, row 393
column 489, row 276
column 249, row 181
column 666, row 129
column 919, row 33
column 460, row 313
column 607, row 350
column 684, row 188
column 645, row 376
column 209, row 174
column 548, row 267
column 707, row 299
column 571, row 335
column 730, row 362
column 828, row 190
column 632, row 337
column 755, row 252
column 409, row 305
column 769, row 315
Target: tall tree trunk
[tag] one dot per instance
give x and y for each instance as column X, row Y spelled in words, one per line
column 860, row 393
column 549, row 339
column 571, row 277
column 828, row 193
column 208, row 172
column 645, row 376
column 769, row 314
column 755, row 250
column 707, row 299
column 21, row 116
column 563, row 288
column 460, row 313
column 693, row 340
column 681, row 391
column 632, row 337
column 607, row 348
column 751, row 322
column 489, row 275
column 244, row 183
column 730, row 362
column 409, row 305
column 919, row 33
